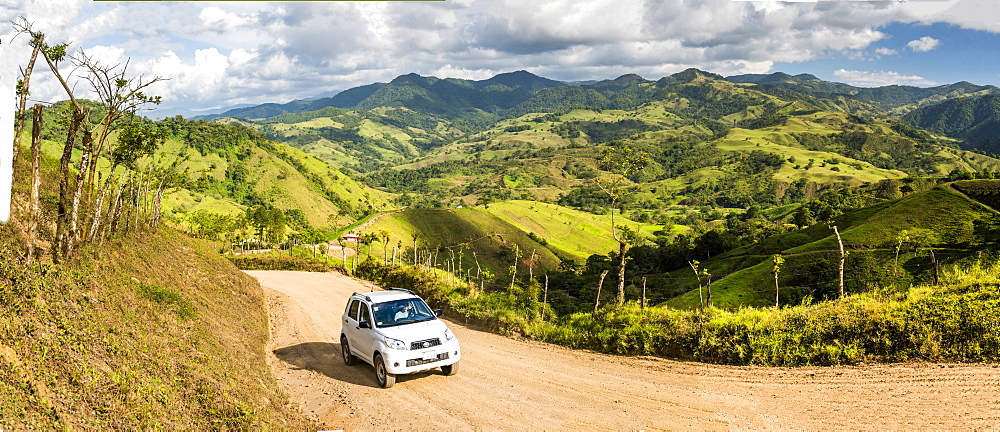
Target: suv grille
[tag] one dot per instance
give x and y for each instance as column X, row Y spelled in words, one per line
column 418, row 362
column 425, row 344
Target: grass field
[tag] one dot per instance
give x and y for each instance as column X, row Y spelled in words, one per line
column 574, row 233
column 551, row 231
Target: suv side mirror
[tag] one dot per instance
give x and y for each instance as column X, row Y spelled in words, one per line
column 437, row 312
column 365, row 325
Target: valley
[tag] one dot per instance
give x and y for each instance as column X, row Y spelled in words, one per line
column 474, row 176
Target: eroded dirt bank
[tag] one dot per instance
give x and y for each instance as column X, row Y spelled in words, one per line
column 507, row 384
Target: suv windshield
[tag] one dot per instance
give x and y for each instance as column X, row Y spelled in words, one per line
column 403, row 311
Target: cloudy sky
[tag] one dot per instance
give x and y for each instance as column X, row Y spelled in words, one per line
column 220, row 54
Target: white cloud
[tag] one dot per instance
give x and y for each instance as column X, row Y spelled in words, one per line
column 878, row 79
column 923, row 44
column 221, row 20
column 882, row 51
column 968, row 14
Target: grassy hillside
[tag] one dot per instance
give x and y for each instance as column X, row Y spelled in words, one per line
column 471, row 233
column 938, row 219
column 489, row 235
column 151, row 331
column 228, row 167
column 236, row 168
column 155, row 333
column 575, row 234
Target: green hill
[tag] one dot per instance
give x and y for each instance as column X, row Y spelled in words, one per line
column 238, row 168
column 939, row 219
column 470, row 240
column 489, row 235
column 973, row 120
column 758, row 148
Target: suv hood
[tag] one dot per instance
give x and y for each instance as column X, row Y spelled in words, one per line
column 416, row 331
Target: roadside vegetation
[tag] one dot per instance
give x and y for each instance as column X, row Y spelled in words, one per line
column 955, row 320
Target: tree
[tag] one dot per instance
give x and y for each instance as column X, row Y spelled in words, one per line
column 803, row 217
column 600, row 283
column 708, row 286
column 366, row 239
column 843, row 255
column 384, row 236
column 62, row 246
column 268, row 221
column 619, row 165
column 902, row 237
column 122, row 97
column 119, row 97
column 36, row 180
column 697, row 274
column 22, row 26
column 778, row 260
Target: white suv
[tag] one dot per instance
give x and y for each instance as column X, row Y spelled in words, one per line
column 397, row 333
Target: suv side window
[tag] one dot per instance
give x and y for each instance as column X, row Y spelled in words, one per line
column 352, row 311
column 365, row 315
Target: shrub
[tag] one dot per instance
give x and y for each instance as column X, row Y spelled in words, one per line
column 287, row 263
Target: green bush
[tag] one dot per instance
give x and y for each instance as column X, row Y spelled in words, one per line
column 286, row 263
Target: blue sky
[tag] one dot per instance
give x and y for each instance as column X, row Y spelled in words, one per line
column 955, row 54
column 220, row 54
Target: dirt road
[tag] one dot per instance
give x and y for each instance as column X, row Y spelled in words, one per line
column 507, row 384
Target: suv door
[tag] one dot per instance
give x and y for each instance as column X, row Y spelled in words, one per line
column 360, row 339
column 351, row 327
column 365, row 336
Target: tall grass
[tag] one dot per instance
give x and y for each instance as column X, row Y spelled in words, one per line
column 958, row 320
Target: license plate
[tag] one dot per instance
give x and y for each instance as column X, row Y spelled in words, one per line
column 429, row 355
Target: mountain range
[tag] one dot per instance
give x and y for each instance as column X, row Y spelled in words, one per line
column 508, row 91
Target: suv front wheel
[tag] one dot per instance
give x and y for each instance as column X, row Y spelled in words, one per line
column 385, row 379
column 450, row 370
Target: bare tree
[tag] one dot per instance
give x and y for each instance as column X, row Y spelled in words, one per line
column 642, row 303
column 778, row 260
column 36, row 182
column 122, row 97
column 694, row 267
column 843, row 255
column 708, row 286
column 530, row 262
column 600, row 283
column 22, row 26
column 620, row 164
column 545, row 292
column 61, row 246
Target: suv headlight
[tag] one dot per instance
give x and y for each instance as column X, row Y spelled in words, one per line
column 448, row 335
column 394, row 343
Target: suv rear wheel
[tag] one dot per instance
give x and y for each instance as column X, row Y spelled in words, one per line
column 385, row 379
column 345, row 351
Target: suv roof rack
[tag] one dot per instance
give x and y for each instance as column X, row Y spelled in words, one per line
column 401, row 289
